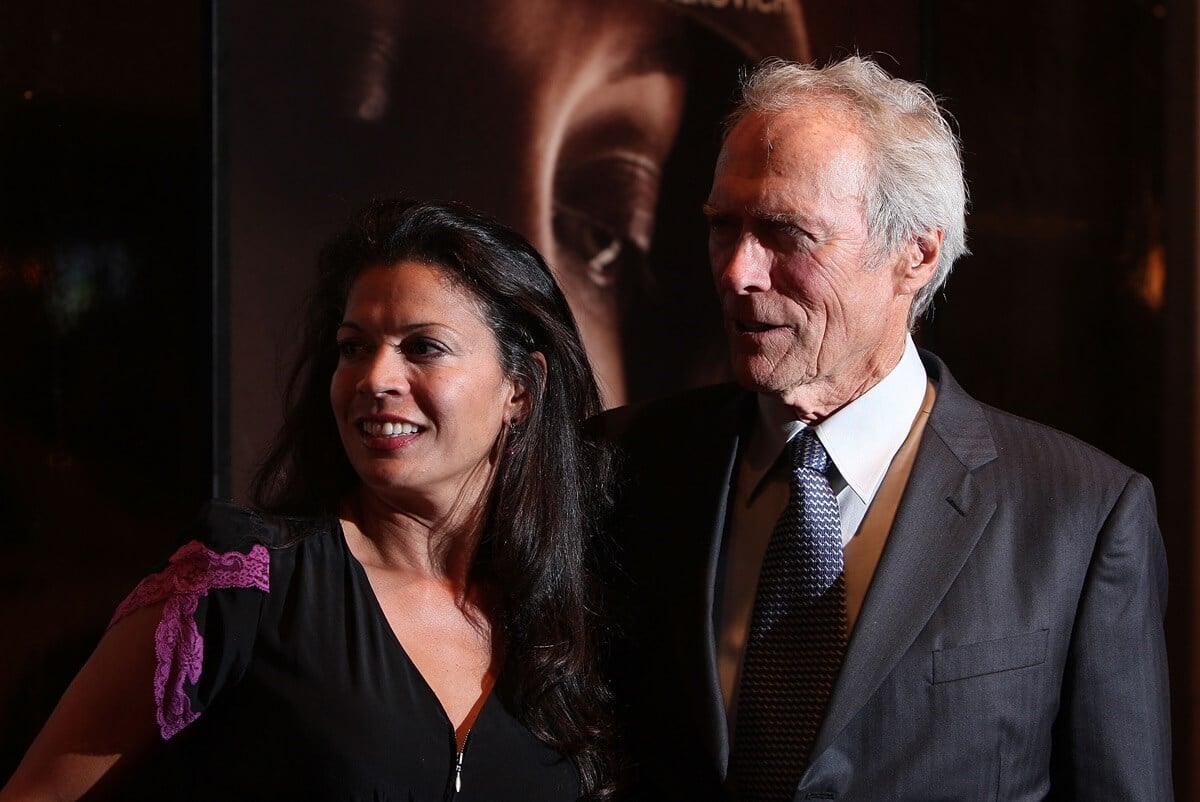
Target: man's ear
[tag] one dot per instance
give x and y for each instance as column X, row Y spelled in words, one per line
column 918, row 260
column 521, row 399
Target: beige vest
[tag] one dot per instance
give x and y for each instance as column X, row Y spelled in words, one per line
column 863, row 551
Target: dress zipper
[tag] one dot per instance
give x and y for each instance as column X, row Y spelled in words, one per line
column 458, row 763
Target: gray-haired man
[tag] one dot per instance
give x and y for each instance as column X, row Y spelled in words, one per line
column 930, row 599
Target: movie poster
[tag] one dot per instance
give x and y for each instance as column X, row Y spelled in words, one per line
column 590, row 127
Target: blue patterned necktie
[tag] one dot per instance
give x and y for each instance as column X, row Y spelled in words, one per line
column 797, row 635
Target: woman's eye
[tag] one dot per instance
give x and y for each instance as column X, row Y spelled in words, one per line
column 602, row 251
column 604, row 213
column 422, row 348
column 348, row 349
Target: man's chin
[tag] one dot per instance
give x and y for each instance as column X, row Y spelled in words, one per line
column 759, row 376
column 756, row 376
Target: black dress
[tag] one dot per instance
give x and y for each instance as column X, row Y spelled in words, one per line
column 303, row 690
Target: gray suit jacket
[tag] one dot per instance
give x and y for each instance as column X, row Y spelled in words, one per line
column 1010, row 646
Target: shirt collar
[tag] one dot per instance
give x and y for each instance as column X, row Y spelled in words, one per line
column 861, row 438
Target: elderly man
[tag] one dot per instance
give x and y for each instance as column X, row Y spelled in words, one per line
column 846, row 578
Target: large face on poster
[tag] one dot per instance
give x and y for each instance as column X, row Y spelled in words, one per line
column 591, row 127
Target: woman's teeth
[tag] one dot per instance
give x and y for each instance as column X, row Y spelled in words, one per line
column 388, row 429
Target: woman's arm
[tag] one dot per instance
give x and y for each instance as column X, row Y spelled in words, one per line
column 102, row 725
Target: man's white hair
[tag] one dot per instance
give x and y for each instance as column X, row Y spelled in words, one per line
column 915, row 181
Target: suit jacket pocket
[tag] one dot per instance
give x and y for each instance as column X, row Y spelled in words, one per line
column 990, row 657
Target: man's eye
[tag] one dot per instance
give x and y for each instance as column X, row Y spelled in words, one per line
column 786, row 236
column 721, row 226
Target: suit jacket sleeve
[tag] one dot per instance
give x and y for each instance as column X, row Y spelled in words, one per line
column 1112, row 738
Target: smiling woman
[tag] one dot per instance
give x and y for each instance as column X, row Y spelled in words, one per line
column 421, row 400
column 407, row 614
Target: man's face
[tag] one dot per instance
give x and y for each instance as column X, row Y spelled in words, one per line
column 815, row 311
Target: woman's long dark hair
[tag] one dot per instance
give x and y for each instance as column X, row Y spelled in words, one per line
column 550, row 487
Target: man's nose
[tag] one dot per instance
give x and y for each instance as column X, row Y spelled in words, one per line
column 744, row 268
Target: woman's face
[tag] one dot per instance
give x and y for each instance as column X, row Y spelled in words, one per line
column 419, row 395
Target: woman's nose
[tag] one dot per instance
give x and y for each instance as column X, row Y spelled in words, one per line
column 384, row 374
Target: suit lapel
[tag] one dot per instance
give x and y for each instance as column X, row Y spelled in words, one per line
column 943, row 511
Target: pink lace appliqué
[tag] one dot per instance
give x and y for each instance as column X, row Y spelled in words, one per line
column 178, row 645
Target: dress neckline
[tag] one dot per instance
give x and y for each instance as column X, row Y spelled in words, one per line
column 485, row 700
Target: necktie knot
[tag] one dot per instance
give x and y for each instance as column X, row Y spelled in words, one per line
column 807, row 451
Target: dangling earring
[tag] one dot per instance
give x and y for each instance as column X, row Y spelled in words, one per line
column 512, row 430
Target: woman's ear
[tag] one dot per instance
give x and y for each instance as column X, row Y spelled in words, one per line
column 521, row 401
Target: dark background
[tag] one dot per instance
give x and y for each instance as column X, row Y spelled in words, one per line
column 106, row 323
column 1077, row 307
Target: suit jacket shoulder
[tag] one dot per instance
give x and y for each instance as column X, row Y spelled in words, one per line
column 1032, row 462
